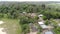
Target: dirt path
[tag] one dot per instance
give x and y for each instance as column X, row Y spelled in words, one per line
column 2, row 29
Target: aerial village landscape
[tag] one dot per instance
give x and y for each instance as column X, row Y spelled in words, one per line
column 29, row 18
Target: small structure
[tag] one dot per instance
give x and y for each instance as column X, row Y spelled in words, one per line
column 40, row 15
column 48, row 32
column 42, row 25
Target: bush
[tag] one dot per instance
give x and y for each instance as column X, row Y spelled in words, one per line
column 44, row 17
column 25, row 28
column 36, row 17
column 1, row 15
column 46, row 22
column 57, row 30
column 38, row 32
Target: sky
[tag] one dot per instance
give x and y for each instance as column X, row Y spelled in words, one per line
column 29, row 0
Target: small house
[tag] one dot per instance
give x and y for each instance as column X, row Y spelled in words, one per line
column 43, row 26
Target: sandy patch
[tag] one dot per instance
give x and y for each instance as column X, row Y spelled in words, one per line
column 1, row 22
column 1, row 31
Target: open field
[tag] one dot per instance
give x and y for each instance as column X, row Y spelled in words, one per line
column 11, row 26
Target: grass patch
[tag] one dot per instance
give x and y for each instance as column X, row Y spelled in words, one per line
column 11, row 26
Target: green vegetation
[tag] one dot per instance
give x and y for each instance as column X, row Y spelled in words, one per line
column 14, row 17
column 24, row 22
column 11, row 25
column 13, row 10
column 47, row 22
column 57, row 30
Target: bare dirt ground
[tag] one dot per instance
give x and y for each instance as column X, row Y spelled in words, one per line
column 33, row 33
column 2, row 29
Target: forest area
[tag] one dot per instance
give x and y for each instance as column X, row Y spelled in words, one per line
column 20, row 11
column 13, row 10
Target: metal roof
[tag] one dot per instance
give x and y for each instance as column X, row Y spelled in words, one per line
column 40, row 22
column 43, row 26
column 40, row 15
column 49, row 32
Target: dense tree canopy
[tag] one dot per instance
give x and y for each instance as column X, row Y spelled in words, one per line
column 14, row 10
